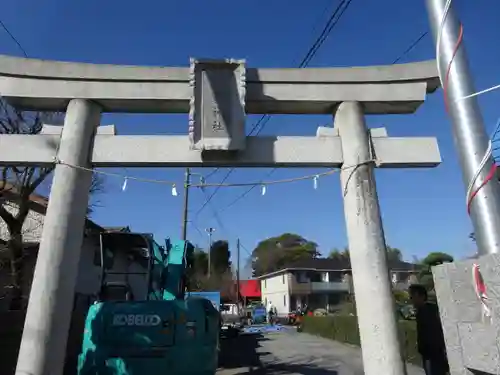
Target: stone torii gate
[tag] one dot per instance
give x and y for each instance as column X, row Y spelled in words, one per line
column 217, row 95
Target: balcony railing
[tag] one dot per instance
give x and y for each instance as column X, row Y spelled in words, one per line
column 309, row 287
column 329, row 287
column 300, row 288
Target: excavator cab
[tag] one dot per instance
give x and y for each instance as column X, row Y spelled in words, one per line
column 115, row 291
column 152, row 330
column 126, row 250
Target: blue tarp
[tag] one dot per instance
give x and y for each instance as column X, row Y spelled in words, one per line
column 262, row 329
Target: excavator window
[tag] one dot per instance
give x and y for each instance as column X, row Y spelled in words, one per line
column 116, row 292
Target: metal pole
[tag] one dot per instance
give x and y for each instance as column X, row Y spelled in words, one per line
column 43, row 345
column 469, row 133
column 209, row 231
column 186, row 203
column 238, row 276
column 378, row 331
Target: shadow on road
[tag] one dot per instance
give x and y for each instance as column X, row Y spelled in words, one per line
column 242, row 353
column 290, row 368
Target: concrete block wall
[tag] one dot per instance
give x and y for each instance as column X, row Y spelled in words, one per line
column 471, row 340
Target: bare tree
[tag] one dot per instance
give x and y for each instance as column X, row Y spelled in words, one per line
column 17, row 184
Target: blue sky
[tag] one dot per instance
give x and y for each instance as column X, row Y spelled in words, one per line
column 423, row 210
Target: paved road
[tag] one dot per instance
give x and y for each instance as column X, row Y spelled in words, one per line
column 291, row 353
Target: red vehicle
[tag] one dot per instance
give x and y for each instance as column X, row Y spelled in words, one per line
column 292, row 317
column 295, row 317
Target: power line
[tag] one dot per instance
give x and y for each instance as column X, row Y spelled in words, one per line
column 210, row 174
column 249, row 253
column 216, row 215
column 331, row 23
column 14, row 39
column 406, row 51
column 224, row 229
column 411, row 47
column 245, row 193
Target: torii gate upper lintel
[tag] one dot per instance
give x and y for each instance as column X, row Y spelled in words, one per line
column 217, row 94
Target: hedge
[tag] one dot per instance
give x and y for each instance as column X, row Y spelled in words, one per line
column 344, row 328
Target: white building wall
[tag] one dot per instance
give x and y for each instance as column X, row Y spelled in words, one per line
column 275, row 290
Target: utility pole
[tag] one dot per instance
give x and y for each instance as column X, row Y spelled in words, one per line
column 469, row 133
column 187, row 181
column 238, row 276
column 209, row 231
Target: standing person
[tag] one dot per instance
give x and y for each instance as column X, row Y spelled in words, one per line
column 275, row 315
column 430, row 338
column 270, row 313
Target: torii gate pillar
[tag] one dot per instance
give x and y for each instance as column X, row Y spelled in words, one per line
column 53, row 286
column 378, row 331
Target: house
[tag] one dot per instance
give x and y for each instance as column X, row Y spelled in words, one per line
column 89, row 273
column 319, row 283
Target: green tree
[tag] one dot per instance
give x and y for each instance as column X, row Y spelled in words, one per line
column 431, row 260
column 339, row 254
column 197, row 273
column 393, row 254
column 274, row 253
column 436, row 258
column 17, row 184
column 220, row 257
column 221, row 277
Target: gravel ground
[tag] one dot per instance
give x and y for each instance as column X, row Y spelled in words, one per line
column 290, row 353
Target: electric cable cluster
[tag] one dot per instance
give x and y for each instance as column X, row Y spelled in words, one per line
column 335, row 17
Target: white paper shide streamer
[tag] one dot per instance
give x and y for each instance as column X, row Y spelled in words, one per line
column 124, row 186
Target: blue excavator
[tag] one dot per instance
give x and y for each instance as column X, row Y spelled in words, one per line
column 161, row 332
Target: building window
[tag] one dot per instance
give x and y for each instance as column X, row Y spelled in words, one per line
column 301, row 277
column 284, row 300
column 107, row 254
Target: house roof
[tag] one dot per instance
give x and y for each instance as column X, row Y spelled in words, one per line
column 332, row 264
column 39, row 204
column 117, row 229
column 250, row 288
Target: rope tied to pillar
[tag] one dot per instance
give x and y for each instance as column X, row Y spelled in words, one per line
column 373, row 159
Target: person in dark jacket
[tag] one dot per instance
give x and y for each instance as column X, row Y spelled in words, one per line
column 430, row 338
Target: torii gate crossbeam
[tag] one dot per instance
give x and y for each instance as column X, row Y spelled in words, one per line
column 216, row 94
